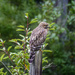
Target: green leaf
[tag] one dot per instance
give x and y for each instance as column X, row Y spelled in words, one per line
column 47, row 39
column 26, row 15
column 33, row 21
column 6, row 57
column 51, row 24
column 13, row 54
column 21, row 26
column 46, row 44
column 1, row 73
column 0, row 44
column 1, row 40
column 20, row 30
column 44, row 60
column 2, row 57
column 1, row 69
column 19, row 40
column 47, row 51
column 18, row 43
column 1, row 49
column 13, row 40
column 73, row 2
column 18, row 47
column 9, row 48
column 4, row 41
column 21, row 35
column 29, row 32
column 52, row 28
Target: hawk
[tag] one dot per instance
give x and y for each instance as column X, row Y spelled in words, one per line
column 37, row 39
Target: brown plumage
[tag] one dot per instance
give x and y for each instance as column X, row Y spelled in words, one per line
column 37, row 38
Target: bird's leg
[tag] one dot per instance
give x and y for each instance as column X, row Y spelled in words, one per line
column 41, row 50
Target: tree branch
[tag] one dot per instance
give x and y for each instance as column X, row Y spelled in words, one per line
column 6, row 67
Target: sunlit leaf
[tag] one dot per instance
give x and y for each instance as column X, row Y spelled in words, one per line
column 52, row 28
column 1, row 69
column 33, row 21
column 18, row 43
column 51, row 24
column 4, row 41
column 6, row 57
column 26, row 15
column 2, row 57
column 1, row 49
column 29, row 32
column 18, row 47
column 0, row 44
column 45, row 44
column 20, row 30
column 44, row 60
column 47, row 39
column 20, row 26
column 13, row 40
column 9, row 48
column 47, row 51
column 13, row 53
column 19, row 40
column 1, row 40
column 21, row 35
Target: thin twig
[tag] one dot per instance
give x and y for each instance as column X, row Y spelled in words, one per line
column 25, row 41
column 8, row 55
column 6, row 67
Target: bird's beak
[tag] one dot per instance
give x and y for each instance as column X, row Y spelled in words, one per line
column 48, row 27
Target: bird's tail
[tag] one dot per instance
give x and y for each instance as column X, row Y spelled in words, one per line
column 32, row 56
column 32, row 53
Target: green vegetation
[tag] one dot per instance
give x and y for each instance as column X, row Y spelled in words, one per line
column 20, row 58
column 58, row 54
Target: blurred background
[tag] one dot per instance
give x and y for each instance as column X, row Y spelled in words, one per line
column 61, row 40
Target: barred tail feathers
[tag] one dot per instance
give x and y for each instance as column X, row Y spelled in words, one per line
column 32, row 56
column 33, row 50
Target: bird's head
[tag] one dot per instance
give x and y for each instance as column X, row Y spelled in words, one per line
column 44, row 25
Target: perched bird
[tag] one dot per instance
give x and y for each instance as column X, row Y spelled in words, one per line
column 37, row 39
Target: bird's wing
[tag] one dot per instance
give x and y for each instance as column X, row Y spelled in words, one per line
column 37, row 37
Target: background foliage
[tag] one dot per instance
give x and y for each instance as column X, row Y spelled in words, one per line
column 60, row 60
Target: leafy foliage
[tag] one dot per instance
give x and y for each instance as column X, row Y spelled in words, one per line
column 1, row 72
column 12, row 14
column 20, row 59
column 61, row 59
column 58, row 60
column 71, row 16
